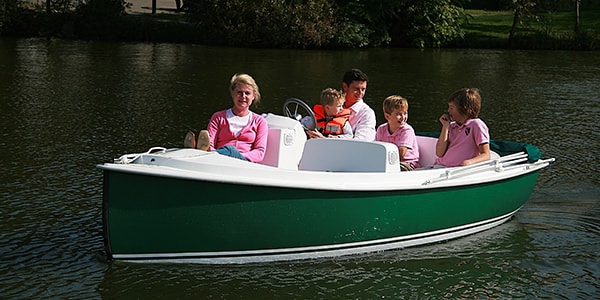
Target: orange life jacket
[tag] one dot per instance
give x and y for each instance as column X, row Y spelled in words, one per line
column 330, row 125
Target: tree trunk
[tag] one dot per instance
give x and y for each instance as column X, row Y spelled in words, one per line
column 516, row 20
column 577, row 2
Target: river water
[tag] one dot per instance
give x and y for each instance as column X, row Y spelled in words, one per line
column 66, row 106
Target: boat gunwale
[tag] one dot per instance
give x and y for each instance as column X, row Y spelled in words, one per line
column 250, row 174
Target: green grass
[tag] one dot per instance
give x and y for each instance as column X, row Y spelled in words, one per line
column 495, row 24
column 544, row 30
column 498, row 23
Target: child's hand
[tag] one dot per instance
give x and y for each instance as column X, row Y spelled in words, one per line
column 445, row 119
column 314, row 134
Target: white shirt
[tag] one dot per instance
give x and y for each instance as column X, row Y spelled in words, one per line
column 237, row 123
column 362, row 119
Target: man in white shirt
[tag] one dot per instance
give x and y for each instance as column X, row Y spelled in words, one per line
column 362, row 117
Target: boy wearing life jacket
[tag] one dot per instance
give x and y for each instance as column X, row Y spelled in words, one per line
column 331, row 116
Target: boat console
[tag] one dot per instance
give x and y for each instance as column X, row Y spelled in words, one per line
column 285, row 142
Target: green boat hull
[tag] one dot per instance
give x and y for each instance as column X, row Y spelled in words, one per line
column 153, row 217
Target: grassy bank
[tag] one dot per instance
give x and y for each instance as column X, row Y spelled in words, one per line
column 484, row 29
column 491, row 29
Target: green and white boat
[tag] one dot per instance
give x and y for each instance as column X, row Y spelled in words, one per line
column 307, row 199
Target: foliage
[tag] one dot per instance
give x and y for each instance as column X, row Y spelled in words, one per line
column 367, row 21
column 328, row 23
column 406, row 23
column 98, row 19
column 8, row 14
column 63, row 6
column 265, row 23
column 101, row 9
column 314, row 23
column 427, row 24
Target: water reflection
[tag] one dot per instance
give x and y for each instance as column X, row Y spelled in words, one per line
column 456, row 269
column 67, row 106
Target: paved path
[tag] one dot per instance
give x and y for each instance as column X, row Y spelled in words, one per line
column 145, row 6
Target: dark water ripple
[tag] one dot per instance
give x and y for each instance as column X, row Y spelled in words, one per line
column 489, row 265
column 67, row 106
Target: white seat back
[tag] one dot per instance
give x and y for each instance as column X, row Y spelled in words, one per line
column 426, row 150
column 285, row 142
column 341, row 155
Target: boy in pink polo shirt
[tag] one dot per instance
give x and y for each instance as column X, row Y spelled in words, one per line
column 397, row 131
column 464, row 138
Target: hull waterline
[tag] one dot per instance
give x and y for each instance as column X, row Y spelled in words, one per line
column 167, row 219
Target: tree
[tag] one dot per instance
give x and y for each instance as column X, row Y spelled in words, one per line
column 577, row 2
column 521, row 7
column 432, row 23
column 8, row 14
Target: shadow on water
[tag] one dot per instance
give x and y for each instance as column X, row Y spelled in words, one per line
column 67, row 106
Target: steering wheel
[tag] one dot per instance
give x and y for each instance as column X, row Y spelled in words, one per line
column 300, row 111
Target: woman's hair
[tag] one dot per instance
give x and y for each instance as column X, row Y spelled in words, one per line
column 331, row 96
column 468, row 101
column 246, row 79
column 394, row 102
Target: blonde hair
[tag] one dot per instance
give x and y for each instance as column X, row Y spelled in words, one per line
column 394, row 102
column 331, row 96
column 468, row 101
column 246, row 79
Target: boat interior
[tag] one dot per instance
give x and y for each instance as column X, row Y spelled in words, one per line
column 289, row 148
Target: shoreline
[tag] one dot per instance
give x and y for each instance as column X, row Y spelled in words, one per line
column 167, row 25
column 145, row 7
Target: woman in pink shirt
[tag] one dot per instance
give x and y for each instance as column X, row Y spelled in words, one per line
column 464, row 138
column 237, row 132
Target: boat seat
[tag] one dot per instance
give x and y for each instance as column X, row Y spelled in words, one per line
column 427, row 151
column 285, row 142
column 341, row 155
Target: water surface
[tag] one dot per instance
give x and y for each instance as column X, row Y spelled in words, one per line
column 66, row 106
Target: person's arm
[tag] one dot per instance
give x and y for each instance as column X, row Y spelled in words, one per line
column 213, row 129
column 347, row 131
column 365, row 127
column 481, row 137
column 402, row 151
column 442, row 143
column 404, row 139
column 259, row 147
column 484, row 154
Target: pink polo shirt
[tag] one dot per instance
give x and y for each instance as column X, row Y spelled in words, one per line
column 464, row 141
column 403, row 137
